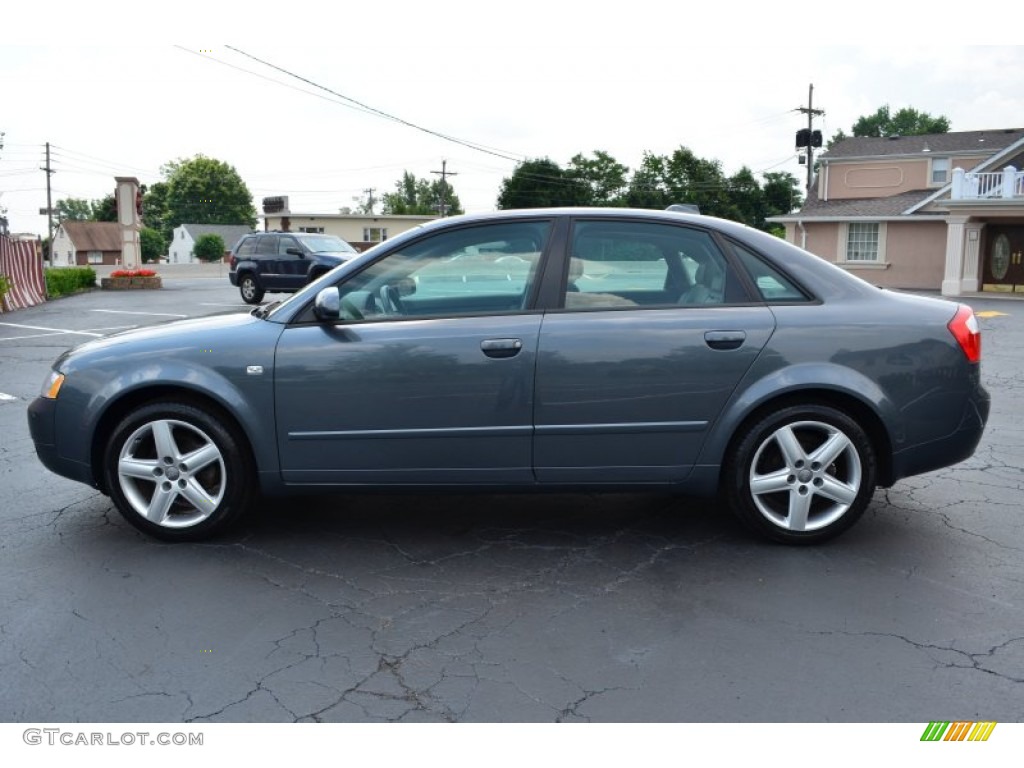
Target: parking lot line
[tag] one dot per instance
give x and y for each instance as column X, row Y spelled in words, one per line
column 51, row 330
column 106, row 330
column 126, row 312
column 4, row 397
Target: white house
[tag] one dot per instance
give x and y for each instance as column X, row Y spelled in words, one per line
column 83, row 243
column 183, row 243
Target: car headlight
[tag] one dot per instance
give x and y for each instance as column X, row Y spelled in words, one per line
column 52, row 385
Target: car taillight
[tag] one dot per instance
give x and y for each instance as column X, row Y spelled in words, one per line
column 233, row 261
column 965, row 329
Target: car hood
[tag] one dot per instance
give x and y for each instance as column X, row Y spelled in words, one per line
column 193, row 332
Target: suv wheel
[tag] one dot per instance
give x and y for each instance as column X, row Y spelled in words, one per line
column 250, row 289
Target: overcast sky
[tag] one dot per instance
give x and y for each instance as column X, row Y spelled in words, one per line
column 519, row 85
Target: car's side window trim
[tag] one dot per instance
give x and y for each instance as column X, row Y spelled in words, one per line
column 558, row 304
column 732, row 249
column 530, row 303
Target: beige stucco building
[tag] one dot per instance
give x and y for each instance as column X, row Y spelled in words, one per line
column 360, row 230
column 939, row 211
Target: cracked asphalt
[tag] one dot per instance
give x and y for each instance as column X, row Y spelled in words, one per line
column 511, row 608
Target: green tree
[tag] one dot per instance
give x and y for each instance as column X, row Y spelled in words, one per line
column 202, row 190
column 604, row 178
column 104, row 209
column 540, row 183
column 782, row 193
column 151, row 244
column 413, row 196
column 154, row 207
column 209, row 248
column 906, row 122
column 745, row 199
column 80, row 209
column 681, row 177
column 73, row 209
column 883, row 122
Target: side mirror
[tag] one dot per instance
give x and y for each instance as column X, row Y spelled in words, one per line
column 295, row 252
column 327, row 305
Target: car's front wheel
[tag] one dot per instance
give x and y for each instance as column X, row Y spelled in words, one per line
column 801, row 475
column 250, row 289
column 178, row 471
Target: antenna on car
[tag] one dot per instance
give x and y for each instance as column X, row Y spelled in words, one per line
column 683, row 208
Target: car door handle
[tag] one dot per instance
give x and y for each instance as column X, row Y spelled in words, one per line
column 501, row 347
column 725, row 339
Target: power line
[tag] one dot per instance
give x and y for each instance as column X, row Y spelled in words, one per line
column 380, row 113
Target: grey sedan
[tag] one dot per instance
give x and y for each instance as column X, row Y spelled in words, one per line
column 542, row 349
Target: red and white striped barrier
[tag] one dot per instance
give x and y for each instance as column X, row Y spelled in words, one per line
column 23, row 268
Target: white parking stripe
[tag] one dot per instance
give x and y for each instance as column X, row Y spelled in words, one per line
column 51, row 330
column 61, row 333
column 126, row 312
column 6, row 398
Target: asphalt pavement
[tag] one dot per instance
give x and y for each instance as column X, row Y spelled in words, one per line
column 509, row 608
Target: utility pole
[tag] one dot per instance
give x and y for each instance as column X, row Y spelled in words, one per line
column 811, row 139
column 369, row 199
column 49, row 203
column 442, row 205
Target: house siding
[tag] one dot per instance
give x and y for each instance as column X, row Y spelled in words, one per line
column 877, row 179
column 916, row 252
column 348, row 228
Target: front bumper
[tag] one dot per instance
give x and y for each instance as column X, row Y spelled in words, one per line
column 42, row 426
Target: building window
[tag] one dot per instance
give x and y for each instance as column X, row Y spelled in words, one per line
column 95, row 257
column 862, row 242
column 940, row 170
column 375, row 234
column 313, row 230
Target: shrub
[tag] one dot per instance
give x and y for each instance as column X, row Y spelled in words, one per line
column 209, row 248
column 64, row 280
column 151, row 244
column 133, row 273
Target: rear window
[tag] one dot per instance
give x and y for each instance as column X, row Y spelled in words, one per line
column 246, row 246
column 771, row 284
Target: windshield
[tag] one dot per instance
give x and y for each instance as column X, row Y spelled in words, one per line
column 325, row 243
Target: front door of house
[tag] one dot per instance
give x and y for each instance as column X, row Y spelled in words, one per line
column 1004, row 259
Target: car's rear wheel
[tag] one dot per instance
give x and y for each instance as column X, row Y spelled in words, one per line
column 801, row 475
column 178, row 472
column 250, row 289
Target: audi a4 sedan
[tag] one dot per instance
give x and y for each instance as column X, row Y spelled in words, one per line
column 564, row 349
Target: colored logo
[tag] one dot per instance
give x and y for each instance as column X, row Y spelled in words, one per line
column 958, row 731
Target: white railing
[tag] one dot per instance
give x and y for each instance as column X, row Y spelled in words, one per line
column 995, row 185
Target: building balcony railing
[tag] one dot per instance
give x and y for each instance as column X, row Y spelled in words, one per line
column 995, row 185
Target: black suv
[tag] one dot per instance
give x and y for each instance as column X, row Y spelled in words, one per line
column 283, row 262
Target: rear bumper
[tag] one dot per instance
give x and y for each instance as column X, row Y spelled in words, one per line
column 948, row 450
column 233, row 277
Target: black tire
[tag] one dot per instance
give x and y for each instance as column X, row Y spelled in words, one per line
column 147, row 470
column 802, row 475
column 249, row 287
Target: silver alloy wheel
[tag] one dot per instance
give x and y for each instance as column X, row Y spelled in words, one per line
column 805, row 476
column 172, row 473
column 248, row 288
